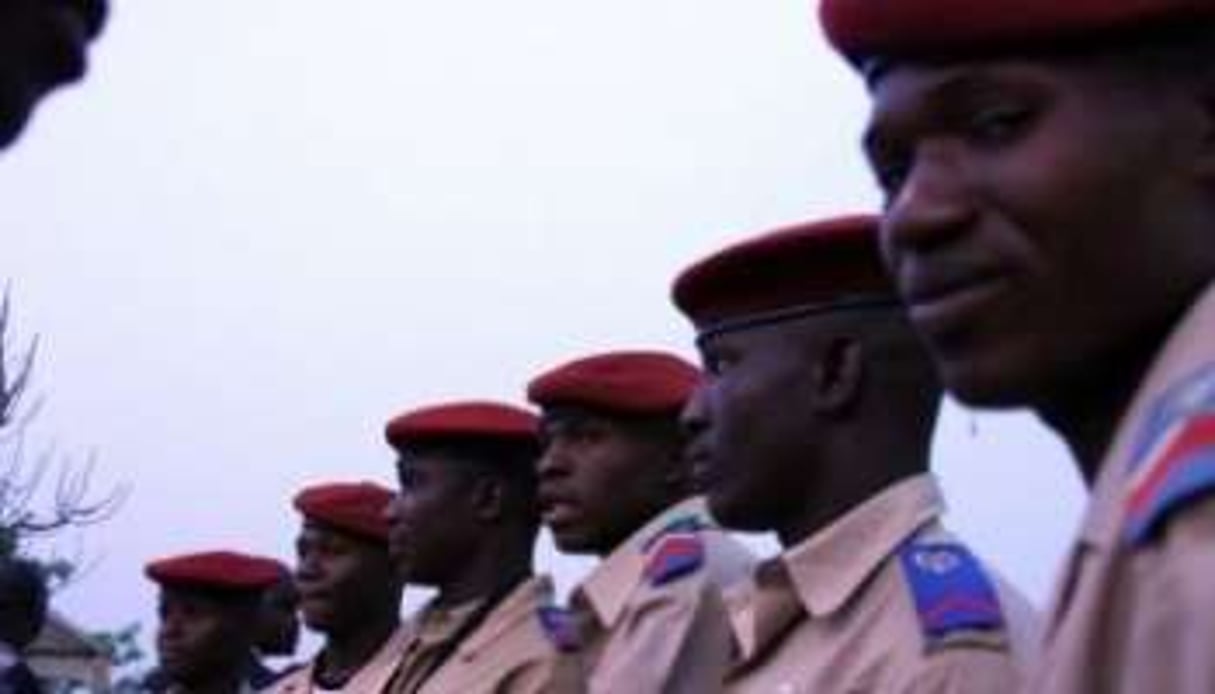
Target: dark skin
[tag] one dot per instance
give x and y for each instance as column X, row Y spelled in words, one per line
column 1047, row 221
column 43, row 45
column 349, row 591
column 459, row 528
column 23, row 602
column 204, row 638
column 603, row 476
column 279, row 622
column 799, row 421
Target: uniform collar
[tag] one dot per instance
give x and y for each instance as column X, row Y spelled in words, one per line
column 608, row 587
column 1187, row 347
column 828, row 568
column 520, row 604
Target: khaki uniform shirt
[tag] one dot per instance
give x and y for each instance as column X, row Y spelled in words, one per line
column 508, row 653
column 652, row 614
column 370, row 679
column 1135, row 609
column 841, row 611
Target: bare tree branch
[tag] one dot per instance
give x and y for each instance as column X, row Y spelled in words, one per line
column 27, row 507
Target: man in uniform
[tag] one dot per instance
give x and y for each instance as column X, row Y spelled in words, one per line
column 278, row 628
column 349, row 589
column 614, row 482
column 814, row 421
column 465, row 523
column 43, row 44
column 208, row 607
column 1049, row 175
column 23, row 604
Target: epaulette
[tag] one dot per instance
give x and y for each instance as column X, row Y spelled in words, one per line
column 1173, row 458
column 675, row 551
column 954, row 598
column 560, row 625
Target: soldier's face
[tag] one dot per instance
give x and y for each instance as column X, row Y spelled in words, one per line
column 42, row 45
column 1042, row 218
column 200, row 635
column 600, row 481
column 278, row 619
column 751, row 428
column 341, row 578
column 433, row 523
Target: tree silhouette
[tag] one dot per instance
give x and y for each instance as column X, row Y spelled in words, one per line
column 46, row 492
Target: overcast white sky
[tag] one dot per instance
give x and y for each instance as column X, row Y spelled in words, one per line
column 262, row 228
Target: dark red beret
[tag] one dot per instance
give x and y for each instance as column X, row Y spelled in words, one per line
column 864, row 29
column 356, row 507
column 472, row 420
column 809, row 266
column 220, row 570
column 633, row 382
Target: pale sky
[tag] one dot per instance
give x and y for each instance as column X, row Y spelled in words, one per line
column 260, row 229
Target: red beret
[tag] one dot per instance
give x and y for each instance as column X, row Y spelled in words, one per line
column 637, row 382
column 864, row 29
column 356, row 507
column 785, row 273
column 221, row 570
column 478, row 420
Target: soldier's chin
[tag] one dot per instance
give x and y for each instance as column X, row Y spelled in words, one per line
column 14, row 114
column 571, row 541
column 734, row 511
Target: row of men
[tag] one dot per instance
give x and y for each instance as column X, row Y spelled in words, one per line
column 815, row 429
column 1048, row 172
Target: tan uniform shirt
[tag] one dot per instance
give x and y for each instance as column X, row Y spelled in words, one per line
column 652, row 613
column 1134, row 611
column 841, row 611
column 507, row 653
column 370, row 679
column 510, row 652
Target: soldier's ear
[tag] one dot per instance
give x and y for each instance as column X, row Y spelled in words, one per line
column 838, row 373
column 489, row 498
column 1205, row 156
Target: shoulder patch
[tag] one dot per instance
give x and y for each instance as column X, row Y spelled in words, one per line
column 1173, row 459
column 690, row 523
column 560, row 626
column 674, row 555
column 951, row 591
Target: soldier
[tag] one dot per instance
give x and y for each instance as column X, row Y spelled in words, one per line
column 208, row 607
column 349, row 589
column 465, row 523
column 1049, row 175
column 23, row 605
column 43, row 45
column 614, row 482
column 278, row 628
column 814, row 421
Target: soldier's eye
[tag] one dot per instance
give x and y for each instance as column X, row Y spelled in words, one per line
column 997, row 123
column 891, row 173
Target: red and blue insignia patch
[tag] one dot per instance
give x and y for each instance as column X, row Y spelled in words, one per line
column 950, row 589
column 1173, row 459
column 674, row 554
column 560, row 626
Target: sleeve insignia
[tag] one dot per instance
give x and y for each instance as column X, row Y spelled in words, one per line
column 672, row 556
column 560, row 626
column 1173, row 458
column 951, row 591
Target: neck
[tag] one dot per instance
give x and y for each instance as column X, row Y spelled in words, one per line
column 1086, row 414
column 1086, row 419
column 489, row 571
column 345, row 654
column 861, row 462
